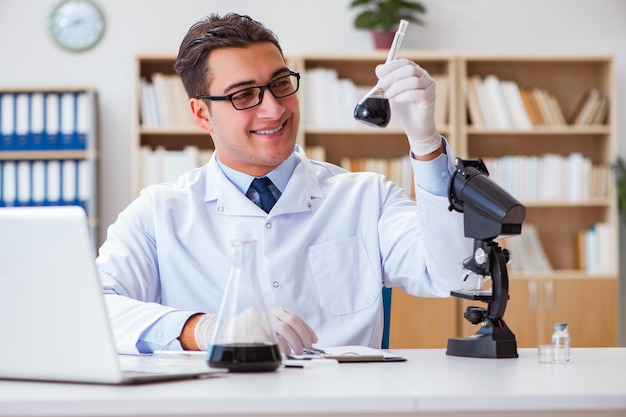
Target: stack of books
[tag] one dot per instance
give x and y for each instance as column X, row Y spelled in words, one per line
column 398, row 170
column 164, row 102
column 550, row 177
column 161, row 165
column 594, row 249
column 502, row 104
column 592, row 109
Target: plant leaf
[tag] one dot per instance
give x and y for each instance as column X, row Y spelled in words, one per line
column 620, row 176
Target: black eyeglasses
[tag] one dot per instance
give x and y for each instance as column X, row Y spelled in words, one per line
column 253, row 96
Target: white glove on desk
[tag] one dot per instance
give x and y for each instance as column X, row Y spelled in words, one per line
column 411, row 94
column 293, row 334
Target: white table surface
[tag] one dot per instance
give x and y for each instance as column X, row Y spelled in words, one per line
column 593, row 384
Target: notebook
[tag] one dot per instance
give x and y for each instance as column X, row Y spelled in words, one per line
column 350, row 354
column 53, row 318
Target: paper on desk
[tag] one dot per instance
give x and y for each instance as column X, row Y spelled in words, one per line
column 352, row 354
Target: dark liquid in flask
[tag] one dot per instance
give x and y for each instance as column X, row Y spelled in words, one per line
column 245, row 357
column 373, row 111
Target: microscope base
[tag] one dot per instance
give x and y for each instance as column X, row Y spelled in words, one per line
column 485, row 344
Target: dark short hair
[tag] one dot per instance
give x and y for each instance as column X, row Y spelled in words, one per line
column 213, row 32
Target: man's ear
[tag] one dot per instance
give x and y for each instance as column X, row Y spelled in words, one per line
column 201, row 115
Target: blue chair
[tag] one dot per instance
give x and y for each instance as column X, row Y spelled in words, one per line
column 386, row 317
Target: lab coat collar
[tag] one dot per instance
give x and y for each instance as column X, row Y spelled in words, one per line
column 298, row 196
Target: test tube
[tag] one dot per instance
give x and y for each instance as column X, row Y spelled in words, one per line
column 397, row 41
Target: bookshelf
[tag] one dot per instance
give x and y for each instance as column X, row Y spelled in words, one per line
column 571, row 290
column 48, row 149
column 588, row 301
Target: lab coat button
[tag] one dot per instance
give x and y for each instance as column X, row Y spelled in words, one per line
column 309, row 205
column 268, row 226
column 220, row 209
column 275, row 284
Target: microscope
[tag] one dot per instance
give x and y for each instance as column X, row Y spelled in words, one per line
column 488, row 212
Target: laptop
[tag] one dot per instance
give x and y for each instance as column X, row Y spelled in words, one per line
column 53, row 318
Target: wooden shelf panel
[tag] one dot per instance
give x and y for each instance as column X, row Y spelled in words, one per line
column 53, row 154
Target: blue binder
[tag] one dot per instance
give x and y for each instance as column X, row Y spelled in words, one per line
column 52, row 121
column 2, row 203
column 70, row 107
column 20, row 121
column 7, row 121
column 36, row 121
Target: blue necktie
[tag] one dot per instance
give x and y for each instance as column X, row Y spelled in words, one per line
column 261, row 186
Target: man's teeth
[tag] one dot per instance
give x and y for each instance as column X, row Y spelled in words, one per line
column 269, row 132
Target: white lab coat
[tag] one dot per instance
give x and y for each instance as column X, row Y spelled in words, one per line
column 326, row 249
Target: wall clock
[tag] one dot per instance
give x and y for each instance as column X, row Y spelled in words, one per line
column 77, row 25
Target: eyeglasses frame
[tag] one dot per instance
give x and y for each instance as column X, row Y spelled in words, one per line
column 229, row 97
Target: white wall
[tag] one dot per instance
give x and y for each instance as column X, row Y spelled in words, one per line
column 28, row 56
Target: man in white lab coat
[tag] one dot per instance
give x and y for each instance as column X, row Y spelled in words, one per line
column 326, row 248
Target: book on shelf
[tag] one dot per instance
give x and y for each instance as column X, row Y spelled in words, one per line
column 316, row 153
column 513, row 100
column 442, row 87
column 527, row 252
column 531, row 106
column 553, row 108
column 474, row 106
column 594, row 249
column 591, row 109
column 496, row 102
column 599, row 116
column 549, row 107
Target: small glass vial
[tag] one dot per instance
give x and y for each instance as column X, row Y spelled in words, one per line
column 561, row 343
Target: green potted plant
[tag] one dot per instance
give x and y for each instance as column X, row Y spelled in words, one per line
column 619, row 168
column 383, row 16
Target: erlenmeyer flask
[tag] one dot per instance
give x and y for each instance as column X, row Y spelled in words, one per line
column 373, row 109
column 244, row 338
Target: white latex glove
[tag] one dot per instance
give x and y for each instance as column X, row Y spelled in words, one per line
column 411, row 94
column 293, row 334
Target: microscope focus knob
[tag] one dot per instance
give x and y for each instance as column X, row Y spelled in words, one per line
column 507, row 255
column 480, row 256
column 475, row 315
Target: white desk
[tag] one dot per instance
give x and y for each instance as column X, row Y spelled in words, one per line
column 592, row 384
